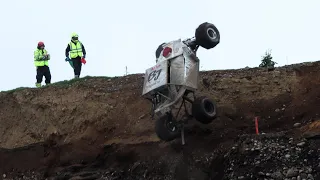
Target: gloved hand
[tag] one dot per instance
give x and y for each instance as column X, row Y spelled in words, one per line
column 83, row 61
column 67, row 59
column 44, row 57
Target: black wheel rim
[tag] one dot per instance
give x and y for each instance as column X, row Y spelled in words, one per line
column 171, row 126
column 209, row 107
column 211, row 33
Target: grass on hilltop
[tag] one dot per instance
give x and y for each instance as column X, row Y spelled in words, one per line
column 64, row 83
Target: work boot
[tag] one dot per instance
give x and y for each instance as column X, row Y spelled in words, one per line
column 38, row 84
column 76, row 76
column 48, row 83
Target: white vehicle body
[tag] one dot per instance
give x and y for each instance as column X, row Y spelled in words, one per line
column 175, row 75
column 178, row 70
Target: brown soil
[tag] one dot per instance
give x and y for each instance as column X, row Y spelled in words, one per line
column 102, row 125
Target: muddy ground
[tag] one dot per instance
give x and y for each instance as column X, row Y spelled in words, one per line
column 100, row 128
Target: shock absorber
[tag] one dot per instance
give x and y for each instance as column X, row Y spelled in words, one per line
column 158, row 98
column 153, row 107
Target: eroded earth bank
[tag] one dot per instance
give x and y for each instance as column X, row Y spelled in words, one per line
column 100, row 128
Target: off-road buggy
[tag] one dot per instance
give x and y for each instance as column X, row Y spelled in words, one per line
column 170, row 82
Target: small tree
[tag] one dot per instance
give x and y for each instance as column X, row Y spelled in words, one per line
column 267, row 60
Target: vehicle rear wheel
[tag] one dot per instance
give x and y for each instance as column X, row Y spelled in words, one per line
column 204, row 110
column 166, row 128
column 207, row 35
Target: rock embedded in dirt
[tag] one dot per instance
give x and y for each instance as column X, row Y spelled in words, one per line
column 301, row 144
column 296, row 124
column 292, row 172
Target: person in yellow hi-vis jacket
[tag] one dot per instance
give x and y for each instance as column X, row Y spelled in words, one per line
column 77, row 54
column 41, row 58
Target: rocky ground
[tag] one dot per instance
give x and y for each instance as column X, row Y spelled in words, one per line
column 274, row 156
column 100, row 128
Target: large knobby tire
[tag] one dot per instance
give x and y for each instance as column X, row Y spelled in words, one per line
column 166, row 129
column 204, row 110
column 207, row 35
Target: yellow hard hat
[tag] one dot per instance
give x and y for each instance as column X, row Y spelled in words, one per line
column 74, row 35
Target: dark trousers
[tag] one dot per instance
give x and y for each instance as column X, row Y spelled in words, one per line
column 77, row 65
column 43, row 71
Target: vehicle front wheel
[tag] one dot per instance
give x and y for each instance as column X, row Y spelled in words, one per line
column 204, row 110
column 207, row 35
column 166, row 128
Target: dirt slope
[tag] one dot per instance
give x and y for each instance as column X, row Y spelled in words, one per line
column 103, row 126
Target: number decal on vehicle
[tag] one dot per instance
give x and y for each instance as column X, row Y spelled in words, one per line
column 154, row 75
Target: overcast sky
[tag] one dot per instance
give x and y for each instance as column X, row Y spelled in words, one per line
column 124, row 33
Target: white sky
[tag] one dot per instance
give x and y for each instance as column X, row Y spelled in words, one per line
column 124, row 33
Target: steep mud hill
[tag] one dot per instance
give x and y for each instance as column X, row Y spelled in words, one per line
column 100, row 128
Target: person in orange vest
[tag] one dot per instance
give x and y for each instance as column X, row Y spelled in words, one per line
column 77, row 54
column 41, row 61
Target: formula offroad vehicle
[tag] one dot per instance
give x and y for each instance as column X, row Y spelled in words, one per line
column 175, row 76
